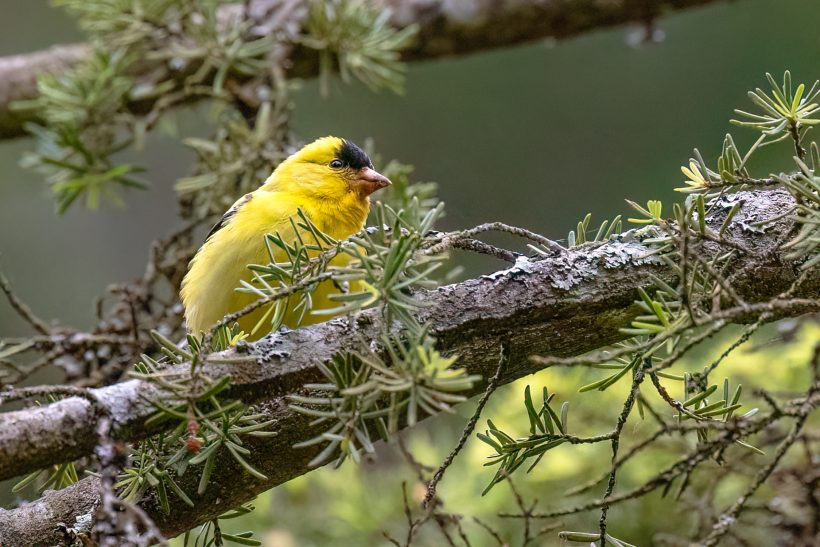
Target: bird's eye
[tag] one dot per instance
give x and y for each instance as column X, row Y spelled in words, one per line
column 336, row 164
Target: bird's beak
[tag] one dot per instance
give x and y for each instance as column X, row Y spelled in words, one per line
column 369, row 180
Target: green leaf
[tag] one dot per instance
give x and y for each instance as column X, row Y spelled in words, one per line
column 242, row 539
column 177, row 490
column 535, row 422
column 700, row 396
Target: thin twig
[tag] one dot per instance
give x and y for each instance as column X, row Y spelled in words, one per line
column 22, row 309
column 730, row 431
column 16, row 394
column 503, row 360
column 448, row 240
column 616, row 439
column 526, row 512
column 742, row 339
column 277, row 295
column 490, row 530
column 724, row 284
column 725, row 520
column 481, row 247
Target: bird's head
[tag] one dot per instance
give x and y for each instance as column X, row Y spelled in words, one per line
column 328, row 168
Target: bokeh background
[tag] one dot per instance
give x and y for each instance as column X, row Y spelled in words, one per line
column 536, row 136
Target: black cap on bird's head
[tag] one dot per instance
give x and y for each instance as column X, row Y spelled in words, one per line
column 349, row 163
column 352, row 156
column 366, row 179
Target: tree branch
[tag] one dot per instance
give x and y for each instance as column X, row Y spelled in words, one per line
column 561, row 306
column 18, row 81
column 445, row 28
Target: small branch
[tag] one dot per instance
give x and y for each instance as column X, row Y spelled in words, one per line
column 619, row 462
column 616, row 440
column 445, row 28
column 725, row 520
column 18, row 394
column 116, row 521
column 728, row 517
column 742, row 339
column 452, row 239
column 468, row 429
column 526, row 511
column 730, row 432
column 481, row 247
column 490, row 530
column 22, row 309
column 794, row 132
column 718, row 277
column 278, row 295
column 18, row 81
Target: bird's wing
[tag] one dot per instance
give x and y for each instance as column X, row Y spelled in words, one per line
column 229, row 214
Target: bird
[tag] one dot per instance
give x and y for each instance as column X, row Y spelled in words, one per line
column 330, row 180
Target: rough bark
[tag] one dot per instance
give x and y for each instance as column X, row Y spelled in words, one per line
column 18, row 80
column 446, row 27
column 561, row 306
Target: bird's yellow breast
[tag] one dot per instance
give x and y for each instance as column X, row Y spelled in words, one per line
column 208, row 290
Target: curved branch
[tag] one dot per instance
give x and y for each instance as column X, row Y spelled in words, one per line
column 561, row 306
column 18, row 81
column 445, row 28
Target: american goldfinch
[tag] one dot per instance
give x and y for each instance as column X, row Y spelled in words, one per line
column 330, row 180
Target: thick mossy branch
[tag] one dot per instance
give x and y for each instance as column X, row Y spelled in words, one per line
column 444, row 28
column 561, row 306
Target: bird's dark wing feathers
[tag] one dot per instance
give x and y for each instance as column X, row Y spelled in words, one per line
column 226, row 218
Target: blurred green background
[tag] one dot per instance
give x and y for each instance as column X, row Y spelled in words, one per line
column 535, row 136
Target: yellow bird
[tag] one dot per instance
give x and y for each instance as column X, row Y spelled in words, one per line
column 330, row 180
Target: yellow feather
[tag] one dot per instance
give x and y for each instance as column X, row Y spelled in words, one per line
column 329, row 197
